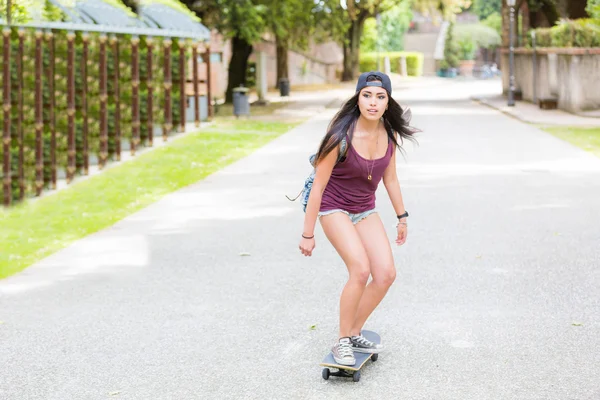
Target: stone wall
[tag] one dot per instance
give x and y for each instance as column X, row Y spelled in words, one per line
column 569, row 75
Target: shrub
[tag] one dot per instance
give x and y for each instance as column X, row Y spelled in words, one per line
column 414, row 61
column 593, row 8
column 482, row 35
column 570, row 33
column 451, row 50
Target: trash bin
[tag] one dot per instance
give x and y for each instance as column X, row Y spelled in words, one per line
column 284, row 87
column 241, row 106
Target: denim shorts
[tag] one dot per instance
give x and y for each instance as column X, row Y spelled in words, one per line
column 355, row 218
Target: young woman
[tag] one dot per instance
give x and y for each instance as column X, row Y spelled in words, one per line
column 343, row 197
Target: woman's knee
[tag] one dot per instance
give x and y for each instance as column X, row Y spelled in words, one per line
column 360, row 272
column 385, row 277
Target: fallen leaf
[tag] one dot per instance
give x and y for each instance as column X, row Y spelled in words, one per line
column 114, row 393
column 577, row 324
column 244, row 254
column 478, row 256
column 313, row 327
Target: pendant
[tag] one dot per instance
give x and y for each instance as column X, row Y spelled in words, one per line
column 369, row 177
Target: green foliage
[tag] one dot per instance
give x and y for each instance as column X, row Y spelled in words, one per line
column 414, row 61
column 451, row 49
column 482, row 36
column 494, row 21
column 368, row 40
column 468, row 48
column 291, row 21
column 593, row 8
column 244, row 19
column 175, row 4
column 570, row 33
column 485, row 8
column 394, row 24
column 20, row 10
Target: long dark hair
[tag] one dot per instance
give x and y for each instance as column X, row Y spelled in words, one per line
column 395, row 119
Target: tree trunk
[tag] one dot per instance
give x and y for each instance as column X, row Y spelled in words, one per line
column 352, row 49
column 550, row 11
column 282, row 59
column 576, row 9
column 240, row 52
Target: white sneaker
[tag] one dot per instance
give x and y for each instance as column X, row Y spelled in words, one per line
column 361, row 344
column 342, row 352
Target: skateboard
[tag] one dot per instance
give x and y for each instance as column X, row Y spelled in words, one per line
column 350, row 371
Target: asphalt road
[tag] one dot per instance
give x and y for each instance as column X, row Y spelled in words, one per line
column 204, row 294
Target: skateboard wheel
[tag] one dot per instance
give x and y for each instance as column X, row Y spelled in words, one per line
column 374, row 357
column 326, row 373
column 356, row 376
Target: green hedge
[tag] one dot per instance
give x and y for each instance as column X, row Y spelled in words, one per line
column 414, row 61
column 570, row 33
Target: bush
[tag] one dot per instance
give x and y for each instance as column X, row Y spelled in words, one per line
column 494, row 21
column 570, row 33
column 451, row 50
column 593, row 8
column 414, row 61
column 482, row 35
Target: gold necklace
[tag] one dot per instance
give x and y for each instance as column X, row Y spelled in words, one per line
column 370, row 174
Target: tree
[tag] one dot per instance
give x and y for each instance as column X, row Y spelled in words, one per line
column 448, row 8
column 485, row 8
column 593, row 8
column 292, row 22
column 357, row 12
column 548, row 8
column 243, row 22
column 389, row 35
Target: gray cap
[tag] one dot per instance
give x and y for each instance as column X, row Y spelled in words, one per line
column 385, row 83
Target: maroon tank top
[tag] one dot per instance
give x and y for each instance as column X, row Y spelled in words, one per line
column 349, row 188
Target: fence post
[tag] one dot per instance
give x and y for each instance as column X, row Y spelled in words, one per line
column 21, row 132
column 6, row 33
column 39, row 122
column 71, row 106
column 150, row 86
column 209, row 82
column 103, row 110
column 117, row 77
column 168, row 125
column 534, row 57
column 84, row 107
column 195, row 78
column 182, row 84
column 52, row 117
column 135, row 86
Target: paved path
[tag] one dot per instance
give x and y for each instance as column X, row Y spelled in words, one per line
column 204, row 295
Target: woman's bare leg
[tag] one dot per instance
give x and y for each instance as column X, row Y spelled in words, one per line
column 345, row 239
column 379, row 252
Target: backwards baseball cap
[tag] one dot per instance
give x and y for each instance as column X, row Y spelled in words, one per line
column 384, row 82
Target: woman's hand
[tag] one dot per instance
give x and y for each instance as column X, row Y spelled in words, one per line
column 402, row 232
column 307, row 246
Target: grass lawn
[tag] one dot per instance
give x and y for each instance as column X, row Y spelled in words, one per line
column 586, row 138
column 36, row 229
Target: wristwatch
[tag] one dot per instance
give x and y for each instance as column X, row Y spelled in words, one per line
column 403, row 215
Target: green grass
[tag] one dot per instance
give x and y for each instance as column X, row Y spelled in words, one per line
column 36, row 229
column 586, row 138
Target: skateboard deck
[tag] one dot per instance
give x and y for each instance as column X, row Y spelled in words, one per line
column 350, row 371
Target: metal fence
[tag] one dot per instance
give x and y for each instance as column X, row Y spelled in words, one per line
column 76, row 94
